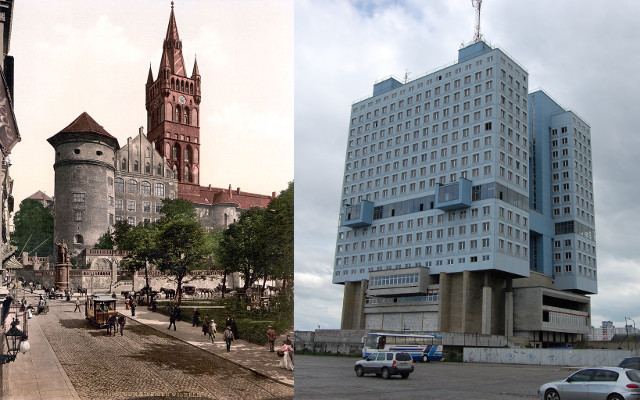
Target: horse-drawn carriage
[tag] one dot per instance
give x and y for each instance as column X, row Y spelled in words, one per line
column 99, row 308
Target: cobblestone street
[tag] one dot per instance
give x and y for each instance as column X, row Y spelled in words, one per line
column 145, row 363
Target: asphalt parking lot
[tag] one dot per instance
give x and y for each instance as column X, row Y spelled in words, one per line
column 320, row 377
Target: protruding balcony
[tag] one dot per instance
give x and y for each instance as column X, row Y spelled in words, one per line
column 453, row 196
column 358, row 215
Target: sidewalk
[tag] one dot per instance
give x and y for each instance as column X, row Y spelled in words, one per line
column 38, row 373
column 248, row 355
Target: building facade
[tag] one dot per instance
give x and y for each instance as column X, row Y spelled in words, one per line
column 99, row 183
column 437, row 221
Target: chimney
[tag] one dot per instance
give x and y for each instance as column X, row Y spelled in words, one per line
column 209, row 187
column 141, row 130
column 238, row 190
column 273, row 195
column 230, row 192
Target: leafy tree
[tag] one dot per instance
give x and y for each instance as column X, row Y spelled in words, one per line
column 142, row 242
column 105, row 242
column 33, row 229
column 121, row 236
column 279, row 227
column 181, row 242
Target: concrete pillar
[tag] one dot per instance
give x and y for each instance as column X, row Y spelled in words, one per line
column 353, row 305
column 444, row 303
column 486, row 310
column 508, row 314
column 466, row 300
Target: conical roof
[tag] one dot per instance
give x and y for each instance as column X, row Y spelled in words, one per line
column 84, row 124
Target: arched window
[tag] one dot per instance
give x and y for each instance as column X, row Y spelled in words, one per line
column 191, row 88
column 145, row 187
column 186, row 115
column 169, row 112
column 195, row 174
column 174, row 154
column 147, row 168
column 123, row 166
column 182, row 86
column 135, row 166
column 194, row 117
column 132, row 186
column 119, row 185
column 187, row 158
column 173, row 84
column 186, row 174
column 177, row 116
column 226, row 220
column 78, row 239
column 159, row 189
column 147, row 152
column 159, row 169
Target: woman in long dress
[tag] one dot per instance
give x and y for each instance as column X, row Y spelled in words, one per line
column 212, row 330
column 287, row 360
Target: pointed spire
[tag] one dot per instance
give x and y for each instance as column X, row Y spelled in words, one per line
column 150, row 78
column 172, row 48
column 195, row 69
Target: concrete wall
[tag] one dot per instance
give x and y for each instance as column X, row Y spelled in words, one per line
column 555, row 357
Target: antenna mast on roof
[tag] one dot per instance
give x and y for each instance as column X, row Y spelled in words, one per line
column 476, row 4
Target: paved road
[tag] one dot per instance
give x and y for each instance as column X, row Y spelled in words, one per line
column 320, row 377
column 145, row 363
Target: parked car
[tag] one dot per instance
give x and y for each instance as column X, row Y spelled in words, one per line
column 598, row 383
column 385, row 364
column 630, row 362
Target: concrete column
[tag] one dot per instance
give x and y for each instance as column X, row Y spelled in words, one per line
column 444, row 303
column 508, row 314
column 466, row 301
column 486, row 310
column 353, row 305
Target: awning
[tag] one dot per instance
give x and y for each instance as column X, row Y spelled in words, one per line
column 12, row 263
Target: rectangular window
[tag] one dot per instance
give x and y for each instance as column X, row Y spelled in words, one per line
column 131, row 205
column 78, row 215
column 78, row 197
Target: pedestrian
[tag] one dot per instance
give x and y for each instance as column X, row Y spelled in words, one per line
column 234, row 328
column 196, row 317
column 271, row 337
column 288, row 341
column 127, row 301
column 77, row 305
column 205, row 325
column 212, row 330
column 154, row 305
column 111, row 325
column 172, row 320
column 121, row 322
column 133, row 308
column 227, row 322
column 228, row 337
column 287, row 358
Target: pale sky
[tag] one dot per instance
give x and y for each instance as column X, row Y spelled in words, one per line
column 87, row 55
column 584, row 54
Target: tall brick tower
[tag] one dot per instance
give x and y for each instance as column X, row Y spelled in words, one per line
column 173, row 111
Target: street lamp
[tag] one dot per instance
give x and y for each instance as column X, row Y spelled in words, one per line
column 14, row 338
column 634, row 332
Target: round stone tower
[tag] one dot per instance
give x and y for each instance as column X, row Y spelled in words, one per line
column 84, row 194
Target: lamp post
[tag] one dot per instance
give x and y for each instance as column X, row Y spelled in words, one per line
column 16, row 342
column 634, row 333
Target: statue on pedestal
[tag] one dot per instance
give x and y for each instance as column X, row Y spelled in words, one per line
column 63, row 252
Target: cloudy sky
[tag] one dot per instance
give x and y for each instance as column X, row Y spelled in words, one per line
column 582, row 53
column 88, row 55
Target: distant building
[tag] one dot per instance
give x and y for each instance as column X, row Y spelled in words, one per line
column 467, row 206
column 41, row 198
column 607, row 331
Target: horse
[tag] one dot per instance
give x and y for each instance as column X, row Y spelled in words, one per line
column 168, row 293
column 112, row 325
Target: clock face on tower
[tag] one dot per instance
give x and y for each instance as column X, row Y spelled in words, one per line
column 182, row 99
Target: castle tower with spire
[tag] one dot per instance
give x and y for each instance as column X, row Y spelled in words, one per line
column 173, row 111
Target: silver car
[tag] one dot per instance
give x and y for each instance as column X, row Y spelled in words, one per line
column 598, row 383
column 385, row 364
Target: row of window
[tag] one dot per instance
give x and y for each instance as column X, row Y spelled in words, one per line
column 145, row 187
column 131, row 206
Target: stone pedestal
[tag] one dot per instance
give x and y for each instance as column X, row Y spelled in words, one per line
column 62, row 276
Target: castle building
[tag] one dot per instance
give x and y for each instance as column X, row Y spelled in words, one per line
column 99, row 183
column 467, row 206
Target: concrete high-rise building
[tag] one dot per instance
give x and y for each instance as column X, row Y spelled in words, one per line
column 467, row 206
